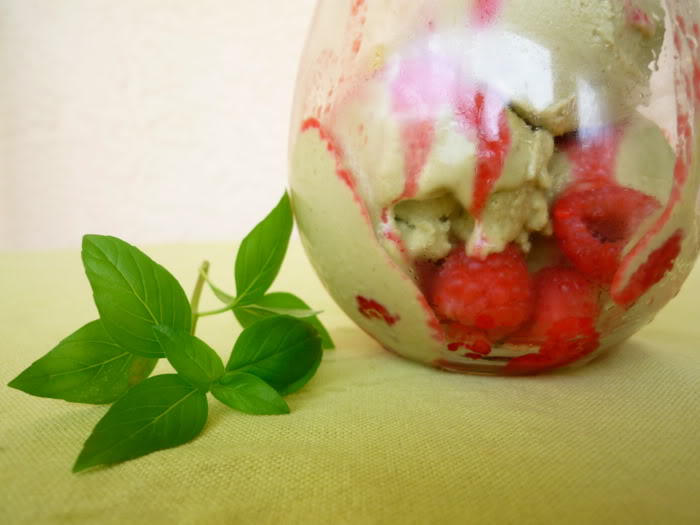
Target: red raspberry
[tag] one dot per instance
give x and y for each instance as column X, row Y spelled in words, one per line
column 494, row 295
column 567, row 341
column 593, row 226
column 566, row 309
column 561, row 293
column 651, row 272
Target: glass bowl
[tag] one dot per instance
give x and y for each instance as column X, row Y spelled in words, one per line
column 499, row 186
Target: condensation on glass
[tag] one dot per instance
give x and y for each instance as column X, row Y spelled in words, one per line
column 499, row 186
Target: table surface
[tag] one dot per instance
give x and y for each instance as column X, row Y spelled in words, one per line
column 373, row 438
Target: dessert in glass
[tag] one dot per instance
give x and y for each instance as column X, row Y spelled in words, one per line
column 499, row 186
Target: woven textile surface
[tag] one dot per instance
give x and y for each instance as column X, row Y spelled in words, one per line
column 373, row 438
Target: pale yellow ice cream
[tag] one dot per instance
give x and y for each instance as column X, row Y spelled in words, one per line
column 370, row 131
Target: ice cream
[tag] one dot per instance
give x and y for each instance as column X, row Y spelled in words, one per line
column 475, row 198
column 433, row 152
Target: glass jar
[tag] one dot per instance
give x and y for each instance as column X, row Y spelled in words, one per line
column 499, row 186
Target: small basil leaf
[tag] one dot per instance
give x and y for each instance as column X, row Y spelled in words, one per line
column 162, row 412
column 279, row 350
column 262, row 251
column 86, row 367
column 191, row 357
column 248, row 314
column 133, row 294
column 249, row 394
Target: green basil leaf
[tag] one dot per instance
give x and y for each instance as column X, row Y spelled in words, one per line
column 303, row 380
column 133, row 294
column 162, row 412
column 275, row 304
column 86, row 367
column 249, row 394
column 279, row 350
column 262, row 251
column 191, row 357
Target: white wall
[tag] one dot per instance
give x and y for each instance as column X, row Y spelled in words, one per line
column 154, row 120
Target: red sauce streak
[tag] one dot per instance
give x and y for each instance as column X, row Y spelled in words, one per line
column 357, row 44
column 396, row 239
column 639, row 19
column 485, row 12
column 417, row 138
column 433, row 322
column 662, row 260
column 659, row 263
column 344, row 174
column 371, row 309
column 356, row 5
column 696, row 62
column 481, row 348
column 420, row 89
column 485, row 114
column 681, row 23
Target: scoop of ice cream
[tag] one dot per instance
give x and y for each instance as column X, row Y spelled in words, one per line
column 440, row 160
column 561, row 64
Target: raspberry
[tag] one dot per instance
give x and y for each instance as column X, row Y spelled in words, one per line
column 494, row 295
column 567, row 341
column 651, row 272
column 593, row 226
column 561, row 293
column 566, row 309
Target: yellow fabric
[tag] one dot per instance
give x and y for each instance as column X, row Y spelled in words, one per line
column 373, row 438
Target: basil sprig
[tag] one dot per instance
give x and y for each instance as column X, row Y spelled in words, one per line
column 145, row 315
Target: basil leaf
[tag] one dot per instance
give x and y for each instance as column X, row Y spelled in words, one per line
column 291, row 312
column 162, row 412
column 249, row 394
column 133, row 294
column 275, row 304
column 279, row 350
column 303, row 380
column 86, row 367
column 191, row 357
column 262, row 251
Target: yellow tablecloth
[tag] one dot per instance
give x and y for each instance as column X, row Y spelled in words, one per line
column 373, row 438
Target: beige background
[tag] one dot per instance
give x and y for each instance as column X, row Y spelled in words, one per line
column 154, row 120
